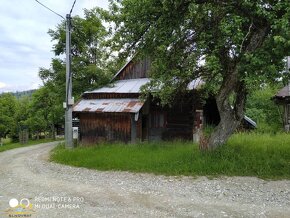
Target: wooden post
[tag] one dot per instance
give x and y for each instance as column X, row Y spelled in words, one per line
column 23, row 136
column 286, row 117
column 198, row 121
column 133, row 129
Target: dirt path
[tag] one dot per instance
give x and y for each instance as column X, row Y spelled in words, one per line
column 61, row 191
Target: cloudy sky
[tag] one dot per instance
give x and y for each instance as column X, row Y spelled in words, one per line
column 25, row 45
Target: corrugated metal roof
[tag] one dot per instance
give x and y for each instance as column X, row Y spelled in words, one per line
column 123, row 86
column 285, row 92
column 134, row 86
column 195, row 84
column 250, row 121
column 124, row 105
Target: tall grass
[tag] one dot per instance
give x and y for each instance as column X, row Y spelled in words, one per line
column 260, row 155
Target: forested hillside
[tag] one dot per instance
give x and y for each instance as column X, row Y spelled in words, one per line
column 21, row 94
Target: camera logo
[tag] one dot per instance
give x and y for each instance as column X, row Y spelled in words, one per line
column 22, row 208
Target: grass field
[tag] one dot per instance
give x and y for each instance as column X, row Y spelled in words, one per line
column 261, row 155
column 9, row 145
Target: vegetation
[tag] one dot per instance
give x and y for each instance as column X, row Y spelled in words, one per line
column 41, row 110
column 263, row 110
column 9, row 146
column 22, row 94
column 261, row 155
column 234, row 46
column 92, row 62
column 7, row 114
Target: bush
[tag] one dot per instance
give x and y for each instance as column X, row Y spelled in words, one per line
column 263, row 110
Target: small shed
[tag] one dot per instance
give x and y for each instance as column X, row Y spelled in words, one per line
column 282, row 98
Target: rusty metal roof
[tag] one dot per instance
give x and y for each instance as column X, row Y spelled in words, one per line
column 285, row 92
column 124, row 105
column 123, row 86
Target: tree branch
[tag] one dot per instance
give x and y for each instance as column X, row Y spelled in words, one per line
column 244, row 39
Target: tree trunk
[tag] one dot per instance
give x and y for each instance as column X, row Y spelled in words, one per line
column 230, row 115
column 53, row 131
column 224, row 130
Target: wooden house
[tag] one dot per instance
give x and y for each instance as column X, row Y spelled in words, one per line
column 116, row 113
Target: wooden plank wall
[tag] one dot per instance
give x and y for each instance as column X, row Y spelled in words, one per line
column 104, row 127
column 179, row 122
column 179, row 119
column 110, row 127
column 135, row 69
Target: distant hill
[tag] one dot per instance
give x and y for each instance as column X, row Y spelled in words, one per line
column 21, row 94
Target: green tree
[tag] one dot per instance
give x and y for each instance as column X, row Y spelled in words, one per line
column 7, row 114
column 45, row 112
column 92, row 66
column 234, row 46
column 21, row 115
column 36, row 124
column 91, row 58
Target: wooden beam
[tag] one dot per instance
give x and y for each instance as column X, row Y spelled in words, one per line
column 133, row 129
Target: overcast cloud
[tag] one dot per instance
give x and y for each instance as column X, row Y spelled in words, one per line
column 25, row 45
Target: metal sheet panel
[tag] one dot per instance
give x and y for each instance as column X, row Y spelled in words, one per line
column 285, row 92
column 126, row 105
column 250, row 121
column 195, row 84
column 123, row 86
column 134, row 86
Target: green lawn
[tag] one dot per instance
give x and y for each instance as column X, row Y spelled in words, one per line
column 9, row 146
column 261, row 155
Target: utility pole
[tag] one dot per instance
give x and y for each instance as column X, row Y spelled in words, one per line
column 287, row 70
column 68, row 104
column 69, row 100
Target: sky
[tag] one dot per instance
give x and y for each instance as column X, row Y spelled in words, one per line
column 25, row 45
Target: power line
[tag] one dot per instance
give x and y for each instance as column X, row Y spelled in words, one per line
column 72, row 7
column 69, row 99
column 50, row 9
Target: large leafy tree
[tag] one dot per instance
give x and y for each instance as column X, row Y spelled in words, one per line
column 91, row 66
column 234, row 46
column 45, row 111
column 7, row 113
column 20, row 116
column 91, row 57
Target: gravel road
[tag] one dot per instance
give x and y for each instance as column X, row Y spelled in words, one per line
column 62, row 191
